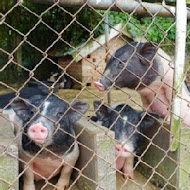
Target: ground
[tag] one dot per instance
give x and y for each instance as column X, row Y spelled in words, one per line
column 126, row 96
column 138, row 184
column 90, row 94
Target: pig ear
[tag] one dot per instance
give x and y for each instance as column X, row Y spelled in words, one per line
column 21, row 109
column 148, row 120
column 78, row 109
column 148, row 52
column 96, row 104
column 102, row 111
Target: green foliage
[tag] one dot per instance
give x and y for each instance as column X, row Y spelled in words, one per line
column 51, row 29
column 156, row 29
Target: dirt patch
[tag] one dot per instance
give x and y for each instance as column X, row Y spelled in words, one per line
column 90, row 94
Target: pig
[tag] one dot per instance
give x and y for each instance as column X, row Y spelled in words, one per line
column 64, row 82
column 130, row 127
column 149, row 70
column 46, row 141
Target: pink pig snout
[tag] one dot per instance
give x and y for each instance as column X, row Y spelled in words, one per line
column 38, row 133
column 99, row 86
column 121, row 150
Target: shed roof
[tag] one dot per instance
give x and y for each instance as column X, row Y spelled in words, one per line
column 85, row 49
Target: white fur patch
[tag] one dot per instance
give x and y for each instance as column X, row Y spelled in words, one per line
column 128, row 145
column 99, row 122
column 98, row 1
column 44, row 111
column 125, row 118
column 8, row 111
column 73, row 155
column 107, row 72
column 52, row 78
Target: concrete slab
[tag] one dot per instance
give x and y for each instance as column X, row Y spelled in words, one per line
column 140, row 183
column 43, row 185
column 8, row 157
column 97, row 155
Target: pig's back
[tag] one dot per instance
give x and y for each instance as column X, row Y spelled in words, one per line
column 165, row 63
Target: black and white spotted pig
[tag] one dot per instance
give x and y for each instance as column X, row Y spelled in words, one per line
column 129, row 126
column 149, row 70
column 64, row 82
column 47, row 143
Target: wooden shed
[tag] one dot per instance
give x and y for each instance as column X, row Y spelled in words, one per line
column 87, row 63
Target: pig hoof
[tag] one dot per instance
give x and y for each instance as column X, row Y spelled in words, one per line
column 129, row 174
column 62, row 186
column 65, row 187
column 29, row 187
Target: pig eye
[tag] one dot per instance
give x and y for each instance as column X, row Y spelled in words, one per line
column 60, row 114
column 32, row 111
column 120, row 65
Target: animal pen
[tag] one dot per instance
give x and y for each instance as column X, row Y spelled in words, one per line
column 164, row 164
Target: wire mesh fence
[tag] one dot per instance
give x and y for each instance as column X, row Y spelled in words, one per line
column 87, row 100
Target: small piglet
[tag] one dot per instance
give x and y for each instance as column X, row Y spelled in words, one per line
column 129, row 126
column 149, row 70
column 47, row 144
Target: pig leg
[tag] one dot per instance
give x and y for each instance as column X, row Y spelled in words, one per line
column 63, row 182
column 128, row 167
column 70, row 160
column 28, row 179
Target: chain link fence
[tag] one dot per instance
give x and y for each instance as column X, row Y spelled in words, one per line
column 105, row 70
